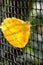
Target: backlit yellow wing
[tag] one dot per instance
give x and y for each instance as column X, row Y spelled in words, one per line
column 16, row 31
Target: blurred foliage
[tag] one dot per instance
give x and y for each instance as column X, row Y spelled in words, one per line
column 34, row 20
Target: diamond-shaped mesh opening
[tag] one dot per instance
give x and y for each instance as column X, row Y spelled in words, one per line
column 32, row 54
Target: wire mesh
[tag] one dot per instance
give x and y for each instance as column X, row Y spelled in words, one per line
column 32, row 54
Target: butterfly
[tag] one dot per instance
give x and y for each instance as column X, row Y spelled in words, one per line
column 16, row 31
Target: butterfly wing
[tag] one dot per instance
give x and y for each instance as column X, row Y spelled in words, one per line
column 16, row 32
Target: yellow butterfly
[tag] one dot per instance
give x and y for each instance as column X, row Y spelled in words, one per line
column 16, row 31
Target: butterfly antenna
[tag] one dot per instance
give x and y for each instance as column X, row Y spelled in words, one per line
column 37, row 25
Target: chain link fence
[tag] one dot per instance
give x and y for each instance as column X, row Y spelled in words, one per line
column 26, row 10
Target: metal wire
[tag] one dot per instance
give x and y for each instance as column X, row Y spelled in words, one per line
column 15, row 56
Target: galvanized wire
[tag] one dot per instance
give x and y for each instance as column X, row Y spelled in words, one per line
column 14, row 56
